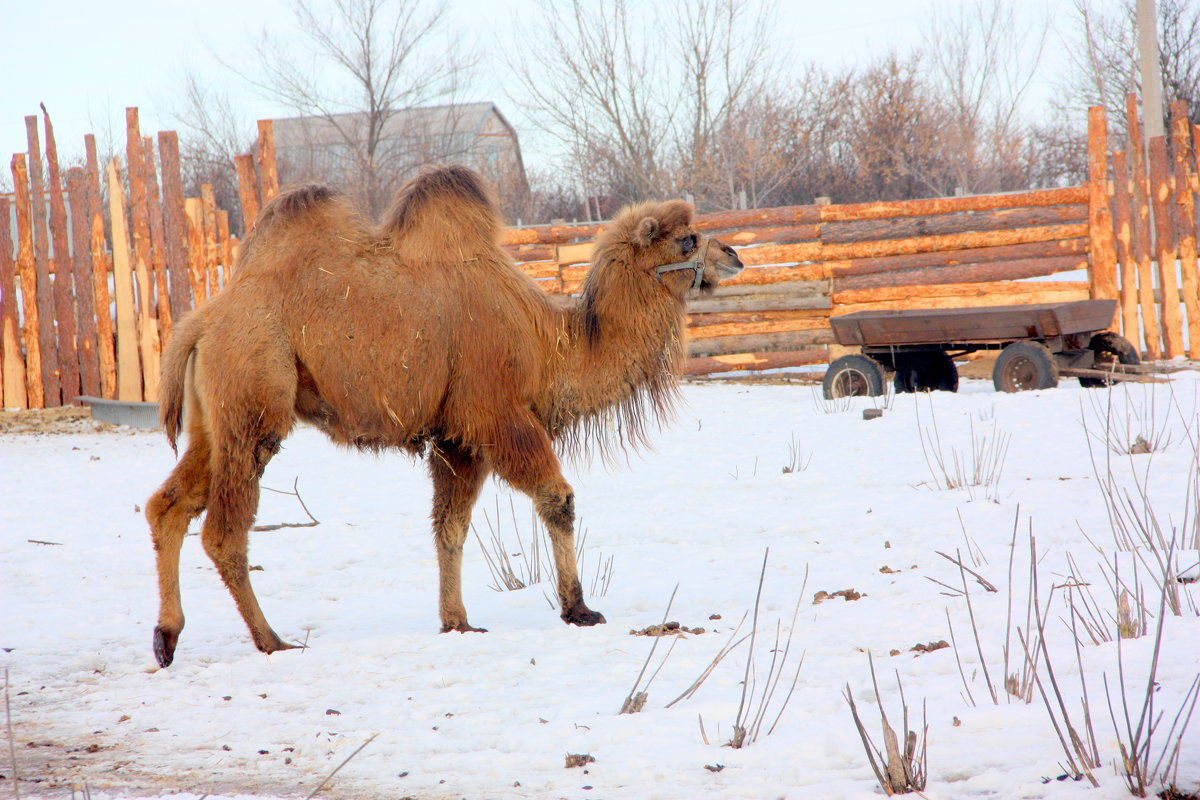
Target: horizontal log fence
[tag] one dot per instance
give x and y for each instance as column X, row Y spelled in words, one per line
column 99, row 260
column 808, row 263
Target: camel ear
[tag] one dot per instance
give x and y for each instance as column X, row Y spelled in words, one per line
column 646, row 232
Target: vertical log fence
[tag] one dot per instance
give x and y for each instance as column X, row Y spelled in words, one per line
column 93, row 274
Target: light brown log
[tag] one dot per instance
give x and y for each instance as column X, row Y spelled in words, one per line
column 999, row 292
column 1102, row 248
column 811, row 305
column 197, row 274
column 268, row 174
column 92, row 168
column 522, row 253
column 549, row 234
column 794, row 289
column 1081, row 292
column 212, row 246
column 540, row 269
column 158, row 244
column 698, row 321
column 580, row 253
column 775, row 234
column 1185, row 215
column 149, row 342
column 760, row 343
column 85, row 294
column 225, row 246
column 105, row 344
column 64, row 273
column 747, row 328
column 956, row 241
column 1123, row 226
column 944, row 205
column 1151, row 329
column 47, row 332
column 754, row 361
column 965, row 273
column 942, row 224
column 758, row 255
column 763, row 275
column 247, row 190
column 1164, row 232
column 175, row 230
column 129, row 365
column 27, row 271
column 12, row 363
column 974, row 255
column 758, row 218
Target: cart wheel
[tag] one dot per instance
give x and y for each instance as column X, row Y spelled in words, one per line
column 853, row 376
column 926, row 372
column 1110, row 348
column 1025, row 365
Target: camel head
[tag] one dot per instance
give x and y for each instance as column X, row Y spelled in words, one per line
column 658, row 239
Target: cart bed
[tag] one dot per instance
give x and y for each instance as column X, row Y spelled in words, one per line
column 972, row 325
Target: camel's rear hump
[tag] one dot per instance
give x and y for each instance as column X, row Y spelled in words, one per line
column 445, row 210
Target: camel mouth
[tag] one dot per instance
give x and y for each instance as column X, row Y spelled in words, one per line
column 725, row 260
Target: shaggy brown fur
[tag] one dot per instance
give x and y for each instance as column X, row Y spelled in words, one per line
column 419, row 335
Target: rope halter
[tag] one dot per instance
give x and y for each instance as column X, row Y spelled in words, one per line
column 695, row 264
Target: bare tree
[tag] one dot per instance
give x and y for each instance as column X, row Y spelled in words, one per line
column 364, row 62
column 636, row 99
column 1103, row 53
column 982, row 61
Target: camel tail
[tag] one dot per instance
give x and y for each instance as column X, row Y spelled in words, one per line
column 445, row 206
column 172, row 383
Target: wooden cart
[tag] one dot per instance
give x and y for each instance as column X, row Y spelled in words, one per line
column 1037, row 344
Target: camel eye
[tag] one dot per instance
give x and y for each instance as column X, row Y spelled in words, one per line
column 687, row 244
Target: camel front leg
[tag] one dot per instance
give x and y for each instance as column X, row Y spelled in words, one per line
column 457, row 479
column 523, row 456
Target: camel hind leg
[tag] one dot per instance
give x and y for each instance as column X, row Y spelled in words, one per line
column 181, row 499
column 238, row 462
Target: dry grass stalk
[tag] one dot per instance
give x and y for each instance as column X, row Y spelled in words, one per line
column 754, row 706
column 898, row 770
column 980, row 467
column 12, row 748
column 295, row 492
column 635, row 701
column 798, row 460
column 1136, row 743
column 1135, row 428
column 338, row 768
column 729, row 646
column 1080, row 750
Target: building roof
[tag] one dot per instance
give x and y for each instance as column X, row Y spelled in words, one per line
column 459, row 120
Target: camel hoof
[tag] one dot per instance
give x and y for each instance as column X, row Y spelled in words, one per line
column 463, row 628
column 270, row 643
column 164, row 646
column 583, row 616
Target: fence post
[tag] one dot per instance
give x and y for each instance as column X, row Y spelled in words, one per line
column 1103, row 277
column 64, row 289
column 129, row 370
column 175, row 225
column 34, row 388
column 267, row 173
column 85, row 293
column 1185, row 208
column 1123, row 223
column 247, row 191
column 1164, row 230
column 12, row 366
column 158, row 245
column 47, row 341
column 1141, row 229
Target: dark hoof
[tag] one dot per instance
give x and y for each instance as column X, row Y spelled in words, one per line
column 272, row 644
column 583, row 616
column 463, row 628
column 164, row 646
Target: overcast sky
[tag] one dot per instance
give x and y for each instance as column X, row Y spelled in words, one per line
column 88, row 60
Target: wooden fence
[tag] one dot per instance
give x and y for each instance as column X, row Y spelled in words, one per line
column 92, row 273
column 96, row 263
column 1145, row 217
column 807, row 263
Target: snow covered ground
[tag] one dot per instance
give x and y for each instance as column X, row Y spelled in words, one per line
column 495, row 715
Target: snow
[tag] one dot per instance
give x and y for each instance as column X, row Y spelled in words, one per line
column 494, row 715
